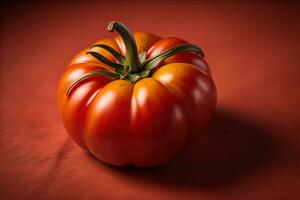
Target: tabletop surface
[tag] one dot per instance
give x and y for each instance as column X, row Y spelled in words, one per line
column 251, row 150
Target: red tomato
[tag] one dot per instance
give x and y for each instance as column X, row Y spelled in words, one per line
column 137, row 99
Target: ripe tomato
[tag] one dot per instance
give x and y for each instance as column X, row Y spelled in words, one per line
column 137, row 99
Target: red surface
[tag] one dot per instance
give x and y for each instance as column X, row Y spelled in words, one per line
column 252, row 149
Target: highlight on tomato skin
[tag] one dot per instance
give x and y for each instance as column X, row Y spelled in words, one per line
column 138, row 98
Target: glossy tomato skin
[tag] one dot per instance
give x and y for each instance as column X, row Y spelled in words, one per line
column 197, row 92
column 142, row 124
column 74, row 107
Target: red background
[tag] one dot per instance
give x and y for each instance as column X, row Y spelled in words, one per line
column 252, row 148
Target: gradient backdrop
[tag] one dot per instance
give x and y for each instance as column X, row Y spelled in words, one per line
column 252, row 148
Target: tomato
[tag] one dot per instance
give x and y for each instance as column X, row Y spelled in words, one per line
column 137, row 99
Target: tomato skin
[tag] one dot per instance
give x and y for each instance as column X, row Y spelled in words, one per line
column 73, row 107
column 197, row 91
column 142, row 124
column 129, row 124
column 157, row 113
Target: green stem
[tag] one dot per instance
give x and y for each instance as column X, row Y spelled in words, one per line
column 153, row 62
column 105, row 60
column 118, row 57
column 93, row 73
column 132, row 57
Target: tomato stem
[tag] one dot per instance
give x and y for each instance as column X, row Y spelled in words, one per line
column 132, row 57
column 104, row 60
column 93, row 73
column 112, row 51
column 153, row 62
column 133, row 67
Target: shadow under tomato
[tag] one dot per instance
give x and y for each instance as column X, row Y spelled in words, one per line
column 230, row 149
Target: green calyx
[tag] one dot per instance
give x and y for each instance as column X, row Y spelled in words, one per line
column 133, row 66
